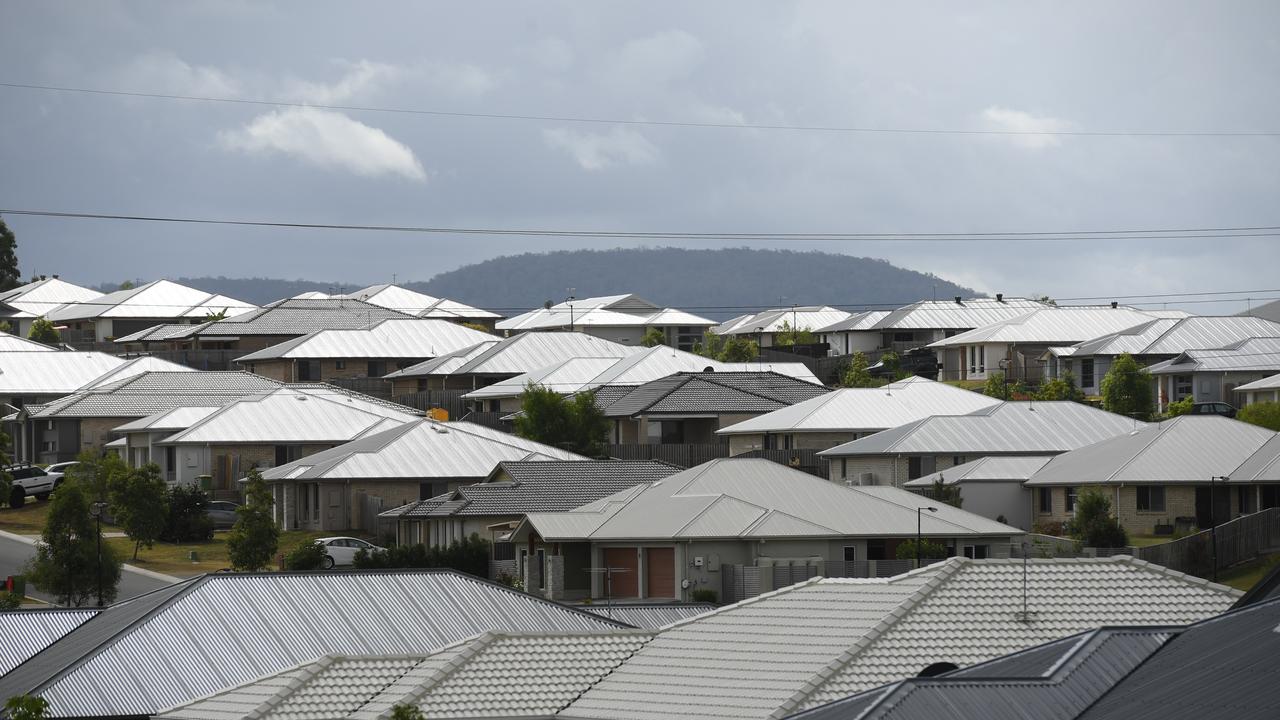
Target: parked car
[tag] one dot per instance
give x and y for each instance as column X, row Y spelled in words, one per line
column 917, row 361
column 29, row 480
column 1213, row 408
column 222, row 513
column 342, row 550
column 59, row 470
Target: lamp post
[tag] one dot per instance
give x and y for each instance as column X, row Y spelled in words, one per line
column 1213, row 520
column 930, row 509
column 96, row 510
column 570, row 301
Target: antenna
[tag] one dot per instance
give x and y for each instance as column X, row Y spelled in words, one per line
column 1025, row 615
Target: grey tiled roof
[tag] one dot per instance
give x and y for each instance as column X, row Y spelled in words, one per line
column 714, row 393
column 152, row 392
column 539, row 486
column 299, row 317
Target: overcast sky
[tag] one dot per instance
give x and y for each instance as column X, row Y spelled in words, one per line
column 1102, row 66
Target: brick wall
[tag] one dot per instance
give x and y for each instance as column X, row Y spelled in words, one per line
column 1179, row 501
column 96, row 432
column 281, row 370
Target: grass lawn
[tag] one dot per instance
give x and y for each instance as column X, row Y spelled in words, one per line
column 27, row 520
column 1248, row 575
column 174, row 559
column 1147, row 540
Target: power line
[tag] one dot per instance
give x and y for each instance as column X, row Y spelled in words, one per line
column 1154, row 234
column 652, row 123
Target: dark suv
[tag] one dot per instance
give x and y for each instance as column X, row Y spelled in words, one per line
column 917, row 361
column 1213, row 408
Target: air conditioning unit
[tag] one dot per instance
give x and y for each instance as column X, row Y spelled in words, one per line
column 866, row 478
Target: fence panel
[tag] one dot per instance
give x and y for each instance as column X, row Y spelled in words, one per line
column 371, row 386
column 448, row 400
column 680, row 455
column 804, row 460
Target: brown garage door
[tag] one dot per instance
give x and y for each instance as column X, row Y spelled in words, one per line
column 626, row 582
column 660, row 572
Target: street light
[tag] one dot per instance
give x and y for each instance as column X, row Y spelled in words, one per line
column 930, row 509
column 1213, row 520
column 96, row 510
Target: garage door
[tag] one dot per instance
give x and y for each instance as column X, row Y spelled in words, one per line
column 660, row 572
column 623, row 563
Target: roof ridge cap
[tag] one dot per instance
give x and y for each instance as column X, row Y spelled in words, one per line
column 741, row 603
column 1169, row 572
column 718, row 497
column 309, row 672
column 470, row 648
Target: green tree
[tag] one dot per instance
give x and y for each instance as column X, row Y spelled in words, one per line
column 1180, row 407
column 1126, row 388
column 929, row 549
column 996, row 387
column 653, row 337
column 127, row 285
column 215, row 316
column 140, row 503
column 66, row 563
column 26, row 707
column 710, row 346
column 788, row 336
column 43, row 331
column 478, row 327
column 97, row 473
column 10, row 277
column 1093, row 525
column 188, row 519
column 254, row 538
column 1264, row 414
column 893, row 363
column 857, row 376
column 739, row 349
column 1062, row 387
column 403, row 711
column 576, row 424
column 949, row 494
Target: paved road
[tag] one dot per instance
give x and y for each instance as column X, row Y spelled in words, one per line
column 14, row 553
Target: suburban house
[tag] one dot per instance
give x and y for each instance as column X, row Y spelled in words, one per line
column 13, row 343
column 60, row 430
column 22, row 305
column 990, row 486
column 893, row 457
column 701, row 527
column 263, row 327
column 1265, row 390
column 624, row 319
column 689, row 407
column 515, row 488
column 346, row 487
column 852, row 334
column 763, row 327
column 846, row 414
column 1157, row 340
column 489, row 361
column 139, row 657
column 1183, row 469
column 1212, row 375
column 421, row 305
column 263, row 431
column 576, row 375
column 138, row 438
column 1017, row 346
column 121, row 313
column 38, row 374
column 388, row 345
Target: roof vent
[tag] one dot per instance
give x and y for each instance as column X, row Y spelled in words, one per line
column 999, row 297
column 1114, row 304
column 958, row 300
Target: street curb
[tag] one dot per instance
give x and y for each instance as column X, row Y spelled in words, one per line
column 128, row 568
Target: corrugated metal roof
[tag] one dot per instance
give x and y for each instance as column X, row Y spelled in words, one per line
column 13, row 343
column 520, row 354
column 567, row 376
column 418, row 304
column 135, row 366
column 161, row 332
column 951, row 315
column 1062, row 325
column 1267, row 383
column 418, row 450
column 220, row 631
column 445, row 364
column 57, row 373
column 857, row 322
column 1170, row 336
column 713, row 393
column 1261, row 466
column 808, row 317
column 299, row 317
column 739, row 497
column 1254, row 354
column 157, row 299
column 652, row 616
column 1186, row 449
column 1009, row 427
column 604, row 311
column 998, row 468
column 39, row 298
column 27, row 632
column 863, row 409
column 176, row 419
column 396, row 338
column 151, row 392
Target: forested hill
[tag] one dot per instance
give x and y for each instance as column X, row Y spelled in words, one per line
column 714, row 282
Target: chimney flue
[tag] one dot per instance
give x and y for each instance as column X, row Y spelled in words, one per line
column 1114, row 304
column 999, row 297
column 958, row 300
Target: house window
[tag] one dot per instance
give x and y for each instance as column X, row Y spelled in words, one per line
column 1070, row 495
column 504, row 551
column 920, row 466
column 877, row 550
column 1270, row 496
column 49, row 446
column 982, row 358
column 377, row 368
column 973, row 359
column 287, row 454
column 913, row 468
column 308, row 370
column 340, row 364
column 1151, row 498
column 1244, row 499
column 1086, row 373
column 49, row 425
column 1181, row 386
column 905, row 337
column 975, row 552
column 958, row 460
column 850, row 553
column 1046, row 500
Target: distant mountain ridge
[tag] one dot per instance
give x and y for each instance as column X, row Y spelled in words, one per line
column 715, row 283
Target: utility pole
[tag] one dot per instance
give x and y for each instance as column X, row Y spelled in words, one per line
column 918, row 510
column 1213, row 523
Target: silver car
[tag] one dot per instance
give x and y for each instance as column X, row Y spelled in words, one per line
column 342, row 550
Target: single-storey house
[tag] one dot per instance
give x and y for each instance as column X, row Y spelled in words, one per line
column 989, row 486
column 1265, row 390
column 22, row 305
column 421, row 305
column 121, row 313
column 763, row 327
column 846, row 414
column 1212, row 375
column 852, row 334
column 624, row 319
column 694, row 528
column 1183, row 468
column 345, row 487
column 894, row 456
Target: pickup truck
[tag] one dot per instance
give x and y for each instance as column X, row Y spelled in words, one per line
column 30, row 480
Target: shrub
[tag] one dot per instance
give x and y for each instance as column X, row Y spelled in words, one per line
column 306, row 557
column 188, row 519
column 929, row 549
column 253, row 540
column 470, row 556
column 1181, row 407
column 704, row 595
column 1093, row 525
column 1265, row 414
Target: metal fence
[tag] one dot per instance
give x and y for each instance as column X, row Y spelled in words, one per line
column 1239, row 540
column 367, row 509
column 680, row 455
column 448, row 400
column 739, row 582
column 827, row 369
column 488, row 419
column 804, row 460
column 371, row 386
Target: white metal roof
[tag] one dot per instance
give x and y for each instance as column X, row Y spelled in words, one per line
column 1170, row 336
column 858, row 322
column 518, row 354
column 136, row 366
column 51, row 373
column 1051, row 325
column 1254, row 354
column 419, row 450
column 1014, row 468
column 951, row 315
column 809, row 317
column 157, row 299
column 863, row 409
column 1019, row 428
column 13, row 343
column 607, row 311
column 1185, row 449
column 169, row 420
column 390, row 338
column 412, row 302
column 37, row 299
column 752, row 498
column 1266, row 383
column 567, row 376
column 27, row 632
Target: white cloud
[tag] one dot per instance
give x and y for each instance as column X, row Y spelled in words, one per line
column 658, row 59
column 361, row 77
column 327, row 139
column 595, row 151
column 163, row 72
column 1007, row 120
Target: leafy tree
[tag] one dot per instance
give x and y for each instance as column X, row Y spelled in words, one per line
column 470, row 556
column 1046, row 300
column 1062, row 387
column 733, row 348
column 253, row 540
column 996, row 387
column 26, row 707
column 788, row 336
column 127, row 285
column 1180, row 407
column 308, row 556
column 10, row 277
column 653, row 337
column 576, row 424
column 1126, row 388
column 893, row 363
column 215, row 316
column 476, row 326
column 1264, row 414
column 5, row 327
column 66, row 562
column 404, row 711
column 1093, row 525
column 10, row 600
column 97, row 473
column 857, row 376
column 949, row 494
column 188, row 519
column 929, row 550
column 140, row 503
column 43, row 331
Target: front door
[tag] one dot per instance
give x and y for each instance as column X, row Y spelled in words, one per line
column 333, row 508
column 660, row 572
column 623, row 566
